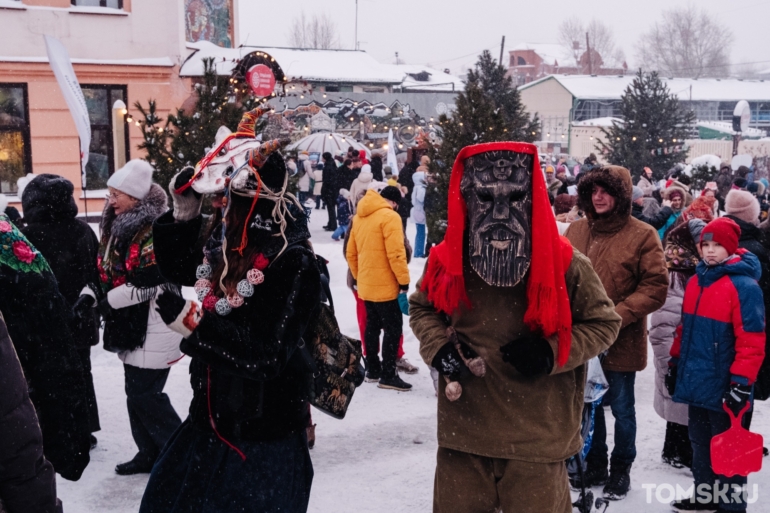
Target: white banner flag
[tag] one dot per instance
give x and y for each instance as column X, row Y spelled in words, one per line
column 73, row 95
column 391, row 159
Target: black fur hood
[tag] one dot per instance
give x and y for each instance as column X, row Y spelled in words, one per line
column 125, row 226
column 48, row 198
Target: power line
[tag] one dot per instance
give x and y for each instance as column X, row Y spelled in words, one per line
column 465, row 56
column 744, row 7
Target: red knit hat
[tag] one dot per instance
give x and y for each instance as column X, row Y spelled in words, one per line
column 548, row 308
column 724, row 231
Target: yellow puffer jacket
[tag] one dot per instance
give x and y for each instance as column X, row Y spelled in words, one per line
column 376, row 253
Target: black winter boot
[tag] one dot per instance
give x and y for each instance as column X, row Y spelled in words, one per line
column 677, row 449
column 690, row 504
column 619, row 482
column 394, row 382
column 595, row 473
column 141, row 464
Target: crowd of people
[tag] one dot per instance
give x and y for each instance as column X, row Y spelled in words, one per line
column 541, row 271
column 340, row 181
column 653, row 259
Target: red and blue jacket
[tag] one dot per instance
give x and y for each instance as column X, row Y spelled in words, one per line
column 722, row 334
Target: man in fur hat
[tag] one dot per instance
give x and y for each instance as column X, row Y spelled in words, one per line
column 515, row 294
column 628, row 257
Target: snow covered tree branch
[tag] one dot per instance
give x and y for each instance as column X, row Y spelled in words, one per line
column 317, row 32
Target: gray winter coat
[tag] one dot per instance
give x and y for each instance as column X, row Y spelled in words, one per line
column 663, row 325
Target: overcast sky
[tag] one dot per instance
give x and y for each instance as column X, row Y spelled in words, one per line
column 450, row 33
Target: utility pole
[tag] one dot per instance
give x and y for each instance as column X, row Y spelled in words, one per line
column 588, row 52
column 355, row 47
column 502, row 45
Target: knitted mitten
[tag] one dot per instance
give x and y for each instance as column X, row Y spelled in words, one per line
column 187, row 205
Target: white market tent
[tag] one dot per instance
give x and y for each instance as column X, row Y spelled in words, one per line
column 321, row 142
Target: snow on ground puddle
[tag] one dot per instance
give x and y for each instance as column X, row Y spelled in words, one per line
column 381, row 457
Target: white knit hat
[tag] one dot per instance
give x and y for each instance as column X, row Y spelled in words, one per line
column 134, row 179
column 743, row 205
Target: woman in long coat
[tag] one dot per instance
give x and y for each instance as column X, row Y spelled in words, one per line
column 682, row 255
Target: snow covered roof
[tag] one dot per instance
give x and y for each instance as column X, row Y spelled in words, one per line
column 437, row 79
column 346, row 66
column 603, row 122
column 722, row 126
column 588, row 87
column 549, row 52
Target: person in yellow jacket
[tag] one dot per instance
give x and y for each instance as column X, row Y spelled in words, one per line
column 377, row 258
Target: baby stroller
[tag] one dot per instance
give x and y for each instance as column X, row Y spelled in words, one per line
column 596, row 387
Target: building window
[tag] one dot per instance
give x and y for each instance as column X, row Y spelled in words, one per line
column 15, row 154
column 101, row 154
column 115, row 4
column 520, row 61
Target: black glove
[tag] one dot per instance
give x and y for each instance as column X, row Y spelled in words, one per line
column 449, row 363
column 104, row 308
column 670, row 379
column 184, row 177
column 531, row 355
column 83, row 307
column 169, row 306
column 736, row 397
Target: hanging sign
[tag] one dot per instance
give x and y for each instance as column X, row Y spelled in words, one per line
column 261, row 80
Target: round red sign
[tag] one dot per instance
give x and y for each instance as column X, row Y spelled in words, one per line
column 261, row 80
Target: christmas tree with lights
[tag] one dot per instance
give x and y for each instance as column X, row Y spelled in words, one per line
column 488, row 109
column 182, row 139
column 653, row 129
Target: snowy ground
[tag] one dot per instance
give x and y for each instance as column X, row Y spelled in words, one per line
column 383, row 451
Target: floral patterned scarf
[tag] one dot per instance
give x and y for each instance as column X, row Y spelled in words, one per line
column 17, row 252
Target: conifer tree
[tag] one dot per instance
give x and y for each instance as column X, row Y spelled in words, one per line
column 653, row 130
column 488, row 109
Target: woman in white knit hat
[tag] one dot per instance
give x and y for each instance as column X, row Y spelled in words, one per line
column 130, row 282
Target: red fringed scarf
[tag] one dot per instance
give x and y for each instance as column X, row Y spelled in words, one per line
column 548, row 309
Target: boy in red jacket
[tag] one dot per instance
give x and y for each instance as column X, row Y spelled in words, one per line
column 717, row 352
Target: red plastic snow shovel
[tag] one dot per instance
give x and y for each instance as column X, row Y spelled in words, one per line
column 737, row 451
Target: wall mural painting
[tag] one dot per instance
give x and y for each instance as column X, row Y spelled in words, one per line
column 209, row 20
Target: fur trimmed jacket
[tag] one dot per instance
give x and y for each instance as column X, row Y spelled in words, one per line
column 628, row 257
column 27, row 479
column 68, row 244
column 38, row 319
column 247, row 377
column 131, row 281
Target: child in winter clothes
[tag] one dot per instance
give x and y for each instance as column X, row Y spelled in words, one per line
column 344, row 211
column 718, row 349
column 418, row 211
